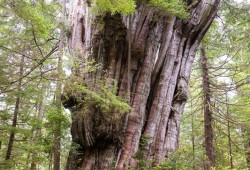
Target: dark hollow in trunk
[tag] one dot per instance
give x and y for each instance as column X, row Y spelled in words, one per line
column 162, row 52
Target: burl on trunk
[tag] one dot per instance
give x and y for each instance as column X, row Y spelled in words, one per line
column 149, row 55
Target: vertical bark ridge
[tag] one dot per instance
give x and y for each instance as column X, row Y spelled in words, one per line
column 166, row 38
column 178, row 101
column 161, row 92
column 137, row 116
column 160, row 136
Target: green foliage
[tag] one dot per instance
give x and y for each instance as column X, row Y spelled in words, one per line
column 38, row 17
column 115, row 6
column 32, row 16
column 143, row 164
column 104, row 96
column 54, row 118
column 174, row 7
column 27, row 28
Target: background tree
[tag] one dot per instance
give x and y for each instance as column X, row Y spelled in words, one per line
column 27, row 46
column 225, row 51
column 58, row 102
column 207, row 104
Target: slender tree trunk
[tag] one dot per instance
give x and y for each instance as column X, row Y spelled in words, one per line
column 50, row 159
column 207, row 112
column 230, row 145
column 16, row 111
column 248, row 154
column 58, row 102
column 193, row 137
column 229, row 136
column 162, row 52
column 247, row 146
column 34, row 165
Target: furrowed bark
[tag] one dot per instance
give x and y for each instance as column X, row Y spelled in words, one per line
column 155, row 72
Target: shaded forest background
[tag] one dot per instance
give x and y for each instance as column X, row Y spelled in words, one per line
column 35, row 65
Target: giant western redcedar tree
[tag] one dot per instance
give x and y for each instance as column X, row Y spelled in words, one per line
column 149, row 54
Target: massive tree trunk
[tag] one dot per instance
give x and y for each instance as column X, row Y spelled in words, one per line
column 162, row 51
